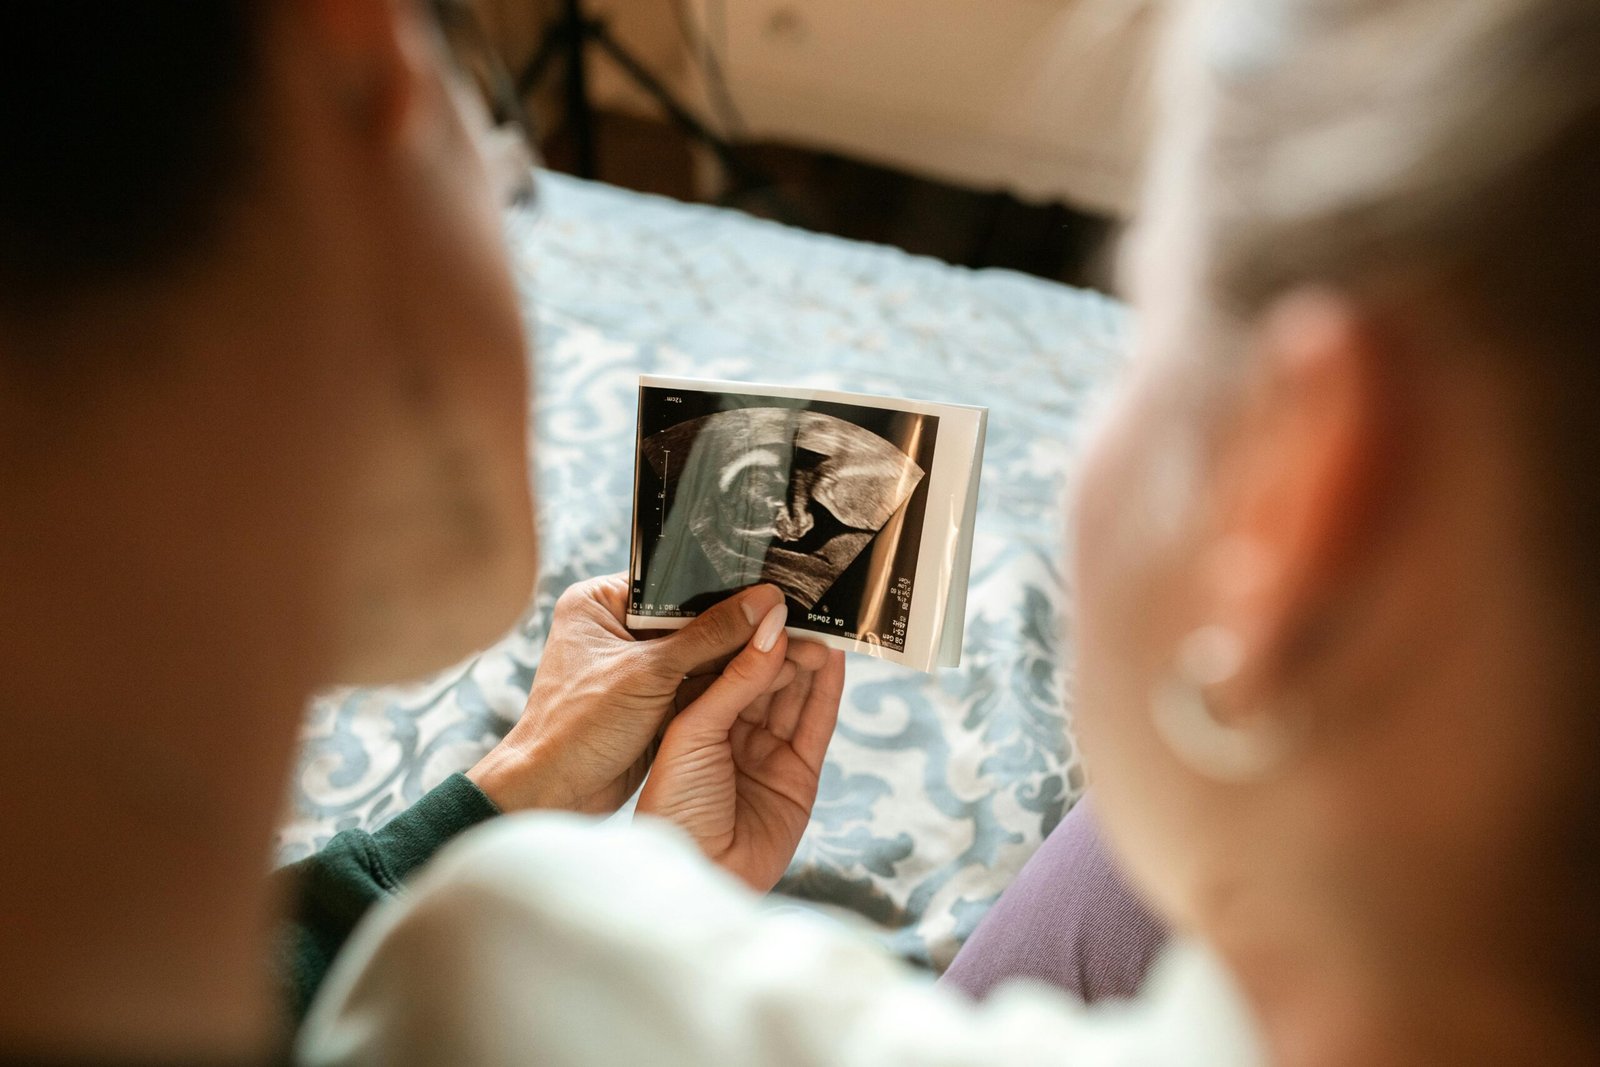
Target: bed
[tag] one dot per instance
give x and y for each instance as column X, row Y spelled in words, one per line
column 937, row 787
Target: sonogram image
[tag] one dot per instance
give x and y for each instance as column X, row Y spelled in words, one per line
column 754, row 484
column 789, row 492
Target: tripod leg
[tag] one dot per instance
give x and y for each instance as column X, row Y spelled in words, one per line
column 746, row 176
column 555, row 39
column 601, row 35
column 580, row 113
column 565, row 40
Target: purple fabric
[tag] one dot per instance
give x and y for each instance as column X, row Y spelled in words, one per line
column 1069, row 919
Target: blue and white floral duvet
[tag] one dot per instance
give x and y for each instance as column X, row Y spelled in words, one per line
column 937, row 787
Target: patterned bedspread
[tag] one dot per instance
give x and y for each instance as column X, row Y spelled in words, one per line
column 937, row 788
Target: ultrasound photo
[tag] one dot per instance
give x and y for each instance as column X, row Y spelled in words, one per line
column 775, row 478
column 823, row 499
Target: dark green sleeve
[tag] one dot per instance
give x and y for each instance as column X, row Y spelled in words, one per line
column 329, row 892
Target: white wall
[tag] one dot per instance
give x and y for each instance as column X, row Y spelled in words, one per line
column 1047, row 99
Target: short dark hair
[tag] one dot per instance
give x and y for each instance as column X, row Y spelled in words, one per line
column 122, row 131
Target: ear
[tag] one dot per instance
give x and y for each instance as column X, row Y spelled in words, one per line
column 1298, row 484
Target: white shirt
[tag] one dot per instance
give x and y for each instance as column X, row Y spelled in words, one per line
column 549, row 939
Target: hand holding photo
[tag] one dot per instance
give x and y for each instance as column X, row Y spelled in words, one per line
column 859, row 508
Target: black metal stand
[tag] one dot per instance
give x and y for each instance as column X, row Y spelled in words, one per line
column 567, row 39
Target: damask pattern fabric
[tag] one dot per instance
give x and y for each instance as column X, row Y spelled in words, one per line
column 937, row 787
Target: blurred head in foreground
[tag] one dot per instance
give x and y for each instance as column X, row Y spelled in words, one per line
column 252, row 278
column 1339, row 596
column 262, row 428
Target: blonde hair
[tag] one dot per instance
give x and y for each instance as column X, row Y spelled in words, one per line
column 1390, row 147
column 1347, row 141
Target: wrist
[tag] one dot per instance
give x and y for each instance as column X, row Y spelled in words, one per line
column 515, row 780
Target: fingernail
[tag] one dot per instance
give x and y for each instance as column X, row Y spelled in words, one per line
column 771, row 626
column 752, row 611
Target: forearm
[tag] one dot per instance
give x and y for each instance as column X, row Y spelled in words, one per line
column 330, row 892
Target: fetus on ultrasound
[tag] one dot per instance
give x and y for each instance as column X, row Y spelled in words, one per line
column 779, row 495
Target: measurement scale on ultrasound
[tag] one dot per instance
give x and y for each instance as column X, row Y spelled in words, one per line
column 661, row 500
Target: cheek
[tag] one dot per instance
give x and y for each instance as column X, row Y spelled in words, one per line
column 1132, row 517
column 484, row 408
column 443, row 554
column 1122, row 576
column 472, row 302
column 491, row 364
column 1105, row 578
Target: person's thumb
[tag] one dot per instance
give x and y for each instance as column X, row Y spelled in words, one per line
column 746, row 678
column 716, row 633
